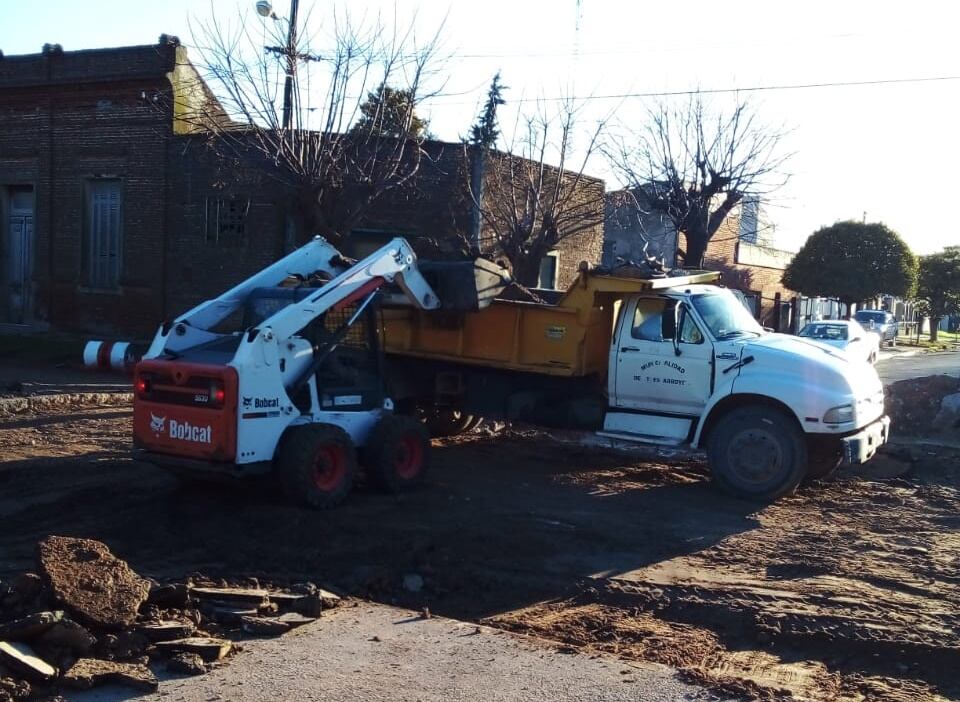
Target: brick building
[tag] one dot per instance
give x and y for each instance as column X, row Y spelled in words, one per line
column 741, row 249
column 114, row 215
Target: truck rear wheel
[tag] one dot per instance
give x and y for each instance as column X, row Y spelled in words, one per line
column 316, row 464
column 397, row 453
column 757, row 453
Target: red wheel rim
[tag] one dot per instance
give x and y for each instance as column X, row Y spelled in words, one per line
column 409, row 458
column 329, row 467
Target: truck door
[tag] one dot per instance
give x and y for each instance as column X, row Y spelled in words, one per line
column 649, row 376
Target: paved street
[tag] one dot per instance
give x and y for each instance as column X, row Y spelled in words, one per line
column 896, row 367
column 375, row 652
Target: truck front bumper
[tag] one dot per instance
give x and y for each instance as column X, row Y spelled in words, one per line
column 860, row 447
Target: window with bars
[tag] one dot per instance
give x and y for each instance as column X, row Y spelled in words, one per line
column 227, row 221
column 103, row 233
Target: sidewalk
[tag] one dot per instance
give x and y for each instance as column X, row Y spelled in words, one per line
column 376, row 652
column 23, row 379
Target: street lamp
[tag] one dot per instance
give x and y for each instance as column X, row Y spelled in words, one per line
column 265, row 10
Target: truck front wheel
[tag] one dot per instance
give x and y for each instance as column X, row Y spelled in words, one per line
column 316, row 464
column 757, row 453
column 397, row 453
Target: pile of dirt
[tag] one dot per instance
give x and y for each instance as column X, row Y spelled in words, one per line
column 88, row 619
column 914, row 404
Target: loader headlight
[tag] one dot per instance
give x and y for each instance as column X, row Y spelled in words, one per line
column 838, row 415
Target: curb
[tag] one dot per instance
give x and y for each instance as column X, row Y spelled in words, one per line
column 10, row 406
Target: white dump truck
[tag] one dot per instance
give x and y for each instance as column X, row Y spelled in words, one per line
column 657, row 359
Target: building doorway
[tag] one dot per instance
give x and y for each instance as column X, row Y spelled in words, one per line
column 16, row 227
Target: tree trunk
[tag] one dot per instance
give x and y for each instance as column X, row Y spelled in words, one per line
column 526, row 271
column 935, row 328
column 696, row 249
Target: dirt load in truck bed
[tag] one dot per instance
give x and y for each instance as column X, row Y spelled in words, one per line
column 846, row 591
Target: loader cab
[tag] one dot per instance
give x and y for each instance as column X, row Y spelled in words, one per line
column 350, row 375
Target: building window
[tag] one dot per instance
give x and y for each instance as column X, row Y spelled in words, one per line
column 363, row 242
column 549, row 266
column 103, row 233
column 227, row 221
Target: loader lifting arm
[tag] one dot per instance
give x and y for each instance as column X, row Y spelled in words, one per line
column 394, row 263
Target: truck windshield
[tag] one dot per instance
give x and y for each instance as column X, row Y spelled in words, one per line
column 725, row 317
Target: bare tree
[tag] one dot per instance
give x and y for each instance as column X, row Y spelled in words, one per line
column 342, row 141
column 695, row 165
column 530, row 206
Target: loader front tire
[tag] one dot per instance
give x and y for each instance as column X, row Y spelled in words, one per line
column 397, row 453
column 316, row 464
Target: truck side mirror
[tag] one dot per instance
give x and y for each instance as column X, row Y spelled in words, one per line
column 678, row 312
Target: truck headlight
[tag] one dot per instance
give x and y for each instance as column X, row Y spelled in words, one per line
column 838, row 415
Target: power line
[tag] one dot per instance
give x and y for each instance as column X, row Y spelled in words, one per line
column 749, row 89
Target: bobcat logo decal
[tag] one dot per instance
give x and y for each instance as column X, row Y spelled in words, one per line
column 247, row 402
column 157, row 424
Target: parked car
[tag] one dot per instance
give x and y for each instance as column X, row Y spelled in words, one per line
column 879, row 322
column 846, row 334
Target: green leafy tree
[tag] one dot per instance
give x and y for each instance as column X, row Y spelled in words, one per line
column 853, row 261
column 389, row 112
column 485, row 132
column 939, row 286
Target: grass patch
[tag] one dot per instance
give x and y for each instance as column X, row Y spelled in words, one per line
column 945, row 341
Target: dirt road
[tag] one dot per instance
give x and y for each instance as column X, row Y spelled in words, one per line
column 847, row 591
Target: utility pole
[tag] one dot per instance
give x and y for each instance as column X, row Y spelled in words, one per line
column 291, row 53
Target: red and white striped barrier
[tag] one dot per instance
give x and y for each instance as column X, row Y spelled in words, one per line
column 109, row 356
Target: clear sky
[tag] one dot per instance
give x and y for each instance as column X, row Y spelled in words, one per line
column 885, row 150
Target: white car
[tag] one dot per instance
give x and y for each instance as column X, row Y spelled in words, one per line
column 846, row 334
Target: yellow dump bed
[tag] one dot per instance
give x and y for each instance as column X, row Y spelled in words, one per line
column 569, row 338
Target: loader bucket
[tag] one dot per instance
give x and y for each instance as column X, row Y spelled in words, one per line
column 465, row 286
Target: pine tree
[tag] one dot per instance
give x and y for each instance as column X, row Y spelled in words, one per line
column 485, row 133
column 390, row 112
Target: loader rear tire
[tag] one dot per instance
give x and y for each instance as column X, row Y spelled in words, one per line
column 397, row 453
column 757, row 453
column 316, row 464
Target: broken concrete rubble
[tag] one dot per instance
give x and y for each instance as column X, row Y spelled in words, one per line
column 122, row 621
column 29, row 627
column 208, row 648
column 294, row 619
column 87, row 672
column 91, row 582
column 167, row 630
column 186, row 663
column 263, row 626
column 69, row 635
column 21, row 658
column 14, row 690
